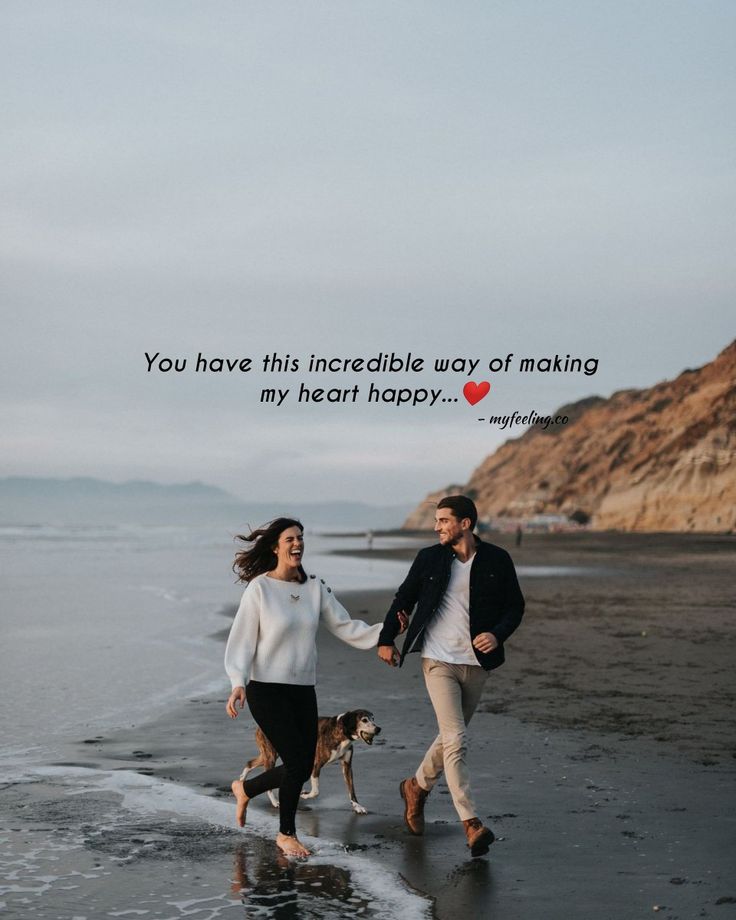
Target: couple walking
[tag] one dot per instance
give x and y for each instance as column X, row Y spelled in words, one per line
column 465, row 600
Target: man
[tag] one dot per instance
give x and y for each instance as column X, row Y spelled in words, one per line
column 468, row 602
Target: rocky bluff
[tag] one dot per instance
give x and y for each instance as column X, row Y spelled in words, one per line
column 660, row 459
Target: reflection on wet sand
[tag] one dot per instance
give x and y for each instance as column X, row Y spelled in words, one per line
column 271, row 885
column 467, row 882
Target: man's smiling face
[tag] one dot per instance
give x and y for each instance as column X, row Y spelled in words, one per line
column 448, row 528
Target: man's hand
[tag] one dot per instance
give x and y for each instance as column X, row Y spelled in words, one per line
column 237, row 696
column 389, row 654
column 485, row 642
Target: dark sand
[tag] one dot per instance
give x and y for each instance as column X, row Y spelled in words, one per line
column 643, row 647
column 602, row 752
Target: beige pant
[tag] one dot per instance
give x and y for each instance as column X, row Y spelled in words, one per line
column 454, row 690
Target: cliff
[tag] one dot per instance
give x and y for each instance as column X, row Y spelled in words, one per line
column 660, row 459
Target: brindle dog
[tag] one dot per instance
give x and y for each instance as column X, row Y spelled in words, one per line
column 335, row 737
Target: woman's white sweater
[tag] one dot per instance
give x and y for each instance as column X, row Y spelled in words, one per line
column 273, row 636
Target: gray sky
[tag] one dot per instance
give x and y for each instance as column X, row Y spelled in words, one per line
column 344, row 179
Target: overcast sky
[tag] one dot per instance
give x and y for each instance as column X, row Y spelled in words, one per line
column 464, row 180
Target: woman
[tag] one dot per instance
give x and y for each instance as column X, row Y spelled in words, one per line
column 271, row 661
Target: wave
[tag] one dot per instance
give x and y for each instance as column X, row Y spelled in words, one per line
column 160, row 825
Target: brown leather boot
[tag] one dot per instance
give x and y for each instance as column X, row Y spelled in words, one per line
column 414, row 798
column 479, row 837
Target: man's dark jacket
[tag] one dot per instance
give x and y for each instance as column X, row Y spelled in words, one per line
column 496, row 601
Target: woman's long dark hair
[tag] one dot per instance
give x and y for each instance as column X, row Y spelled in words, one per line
column 260, row 557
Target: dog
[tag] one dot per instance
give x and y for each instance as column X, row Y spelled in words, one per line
column 335, row 737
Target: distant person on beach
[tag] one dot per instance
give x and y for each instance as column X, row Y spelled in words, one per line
column 468, row 602
column 271, row 658
column 519, row 535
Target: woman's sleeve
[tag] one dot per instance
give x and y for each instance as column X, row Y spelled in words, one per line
column 243, row 638
column 338, row 621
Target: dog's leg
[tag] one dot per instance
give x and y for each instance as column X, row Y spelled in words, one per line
column 266, row 758
column 251, row 765
column 314, row 790
column 266, row 755
column 347, row 771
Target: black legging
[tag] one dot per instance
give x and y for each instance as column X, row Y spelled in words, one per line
column 287, row 713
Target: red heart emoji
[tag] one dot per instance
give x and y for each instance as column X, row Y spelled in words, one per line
column 474, row 392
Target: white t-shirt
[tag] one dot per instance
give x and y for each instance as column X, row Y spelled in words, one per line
column 447, row 638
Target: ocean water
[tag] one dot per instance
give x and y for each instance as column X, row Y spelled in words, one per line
column 105, row 628
column 70, row 849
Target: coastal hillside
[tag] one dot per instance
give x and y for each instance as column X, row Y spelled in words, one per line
column 660, row 459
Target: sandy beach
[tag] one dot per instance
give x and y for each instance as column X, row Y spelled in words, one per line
column 602, row 756
column 637, row 638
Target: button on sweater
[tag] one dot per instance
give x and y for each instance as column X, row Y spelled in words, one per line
column 273, row 636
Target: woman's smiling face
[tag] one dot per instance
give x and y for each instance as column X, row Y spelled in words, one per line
column 290, row 548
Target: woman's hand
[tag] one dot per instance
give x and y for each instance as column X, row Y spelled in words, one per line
column 403, row 621
column 389, row 654
column 237, row 696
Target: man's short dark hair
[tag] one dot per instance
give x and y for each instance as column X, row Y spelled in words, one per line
column 461, row 506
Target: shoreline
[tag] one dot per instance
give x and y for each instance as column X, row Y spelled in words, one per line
column 607, row 799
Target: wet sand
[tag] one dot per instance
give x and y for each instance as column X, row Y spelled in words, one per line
column 601, row 753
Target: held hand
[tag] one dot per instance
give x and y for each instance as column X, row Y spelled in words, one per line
column 237, row 696
column 403, row 621
column 389, row 654
column 485, row 642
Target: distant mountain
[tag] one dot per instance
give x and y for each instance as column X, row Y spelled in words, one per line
column 660, row 459
column 82, row 500
column 84, row 487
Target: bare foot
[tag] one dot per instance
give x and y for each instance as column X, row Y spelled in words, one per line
column 291, row 846
column 241, row 801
